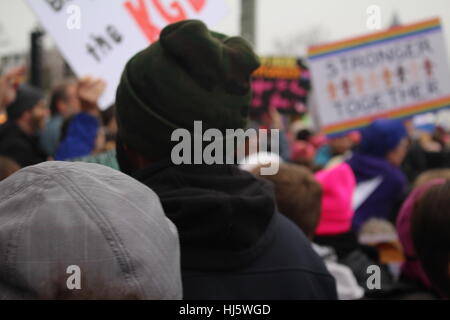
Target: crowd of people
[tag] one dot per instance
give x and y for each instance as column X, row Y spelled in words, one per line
column 97, row 190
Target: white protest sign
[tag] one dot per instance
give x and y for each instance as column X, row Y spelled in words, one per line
column 98, row 37
column 394, row 74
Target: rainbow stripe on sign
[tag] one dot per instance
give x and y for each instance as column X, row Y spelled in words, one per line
column 392, row 34
column 393, row 114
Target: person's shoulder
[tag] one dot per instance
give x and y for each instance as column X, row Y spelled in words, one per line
column 9, row 131
column 291, row 239
column 291, row 255
column 10, row 136
column 396, row 178
column 6, row 128
column 286, row 268
column 53, row 127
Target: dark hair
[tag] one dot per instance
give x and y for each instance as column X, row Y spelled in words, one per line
column 430, row 227
column 430, row 175
column 7, row 167
column 108, row 115
column 298, row 195
column 65, row 128
column 59, row 93
column 304, row 135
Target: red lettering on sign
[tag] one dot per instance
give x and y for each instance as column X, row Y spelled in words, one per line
column 197, row 4
column 140, row 14
column 171, row 18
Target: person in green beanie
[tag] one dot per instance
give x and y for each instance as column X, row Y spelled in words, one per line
column 234, row 243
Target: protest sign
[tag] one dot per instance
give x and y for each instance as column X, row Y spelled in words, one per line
column 282, row 83
column 98, row 37
column 397, row 73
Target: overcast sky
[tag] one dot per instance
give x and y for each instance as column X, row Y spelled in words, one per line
column 284, row 26
column 335, row 20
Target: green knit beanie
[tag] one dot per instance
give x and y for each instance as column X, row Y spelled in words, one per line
column 190, row 74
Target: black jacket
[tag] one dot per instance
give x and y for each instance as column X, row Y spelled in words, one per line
column 20, row 147
column 418, row 160
column 233, row 243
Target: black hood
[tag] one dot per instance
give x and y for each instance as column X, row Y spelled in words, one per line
column 224, row 216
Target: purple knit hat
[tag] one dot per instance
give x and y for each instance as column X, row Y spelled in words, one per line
column 411, row 268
